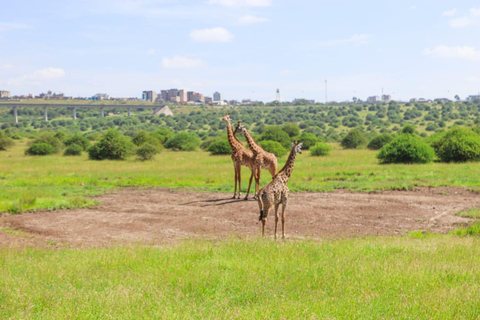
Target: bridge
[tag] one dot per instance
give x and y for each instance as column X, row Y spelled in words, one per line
column 45, row 106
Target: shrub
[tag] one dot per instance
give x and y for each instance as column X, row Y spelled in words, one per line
column 408, row 129
column 112, row 145
column 5, row 142
column 79, row 140
column 50, row 139
column 406, row 148
column 146, row 151
column 183, row 141
column 40, row 149
column 309, row 140
column 274, row 147
column 220, row 147
column 353, row 140
column 457, row 145
column 291, row 129
column 275, row 133
column 321, row 149
column 73, row 150
column 379, row 141
column 140, row 138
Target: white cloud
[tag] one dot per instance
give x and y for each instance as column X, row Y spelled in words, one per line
column 450, row 13
column 242, row 3
column 151, row 51
column 249, row 19
column 7, row 26
column 39, row 76
column 465, row 53
column 182, row 62
column 473, row 79
column 413, row 7
column 357, row 39
column 6, row 66
column 475, row 12
column 469, row 20
column 211, row 35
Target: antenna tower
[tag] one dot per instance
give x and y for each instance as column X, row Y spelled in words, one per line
column 278, row 95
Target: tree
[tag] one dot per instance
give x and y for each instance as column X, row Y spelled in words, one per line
column 291, row 129
column 457, row 97
column 112, row 145
column 406, row 148
column 275, row 133
column 353, row 140
column 183, row 141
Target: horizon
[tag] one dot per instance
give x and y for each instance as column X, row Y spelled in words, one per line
column 245, row 49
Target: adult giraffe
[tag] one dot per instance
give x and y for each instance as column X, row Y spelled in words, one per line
column 262, row 158
column 241, row 156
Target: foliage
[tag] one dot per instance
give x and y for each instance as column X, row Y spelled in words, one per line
column 146, row 152
column 73, row 150
column 406, row 148
column 457, row 145
column 220, row 147
column 49, row 138
column 275, row 133
column 140, row 138
column 321, row 149
column 5, row 141
column 308, row 140
column 40, row 149
column 408, row 129
column 379, row 141
column 183, row 141
column 353, row 140
column 291, row 129
column 79, row 140
column 273, row 147
column 112, row 146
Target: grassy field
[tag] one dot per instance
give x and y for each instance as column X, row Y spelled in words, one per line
column 401, row 278
column 54, row 182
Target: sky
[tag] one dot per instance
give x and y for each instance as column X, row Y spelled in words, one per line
column 245, row 49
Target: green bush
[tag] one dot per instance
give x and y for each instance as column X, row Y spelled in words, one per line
column 183, row 141
column 408, row 129
column 40, row 149
column 406, row 148
column 146, row 152
column 309, row 140
column 275, row 133
column 140, row 138
column 457, row 145
column 73, row 150
column 77, row 139
column 5, row 142
column 353, row 140
column 379, row 141
column 220, row 147
column 291, row 129
column 273, row 147
column 112, row 145
column 49, row 138
column 320, row 149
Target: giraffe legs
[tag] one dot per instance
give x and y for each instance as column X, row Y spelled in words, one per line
column 236, row 178
column 239, row 169
column 257, row 181
column 264, row 219
column 276, row 219
column 284, row 217
column 249, row 185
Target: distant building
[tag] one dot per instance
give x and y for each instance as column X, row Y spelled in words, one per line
column 101, row 96
column 474, row 97
column 386, row 98
column 217, row 96
column 441, row 100
column 183, row 94
column 374, row 99
column 233, row 102
column 197, row 97
column 208, row 100
column 149, row 96
column 4, row 94
column 302, row 100
column 423, row 100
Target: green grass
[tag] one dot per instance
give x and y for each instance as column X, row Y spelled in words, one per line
column 57, row 182
column 372, row 278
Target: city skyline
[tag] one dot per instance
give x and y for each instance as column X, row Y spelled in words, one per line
column 245, row 49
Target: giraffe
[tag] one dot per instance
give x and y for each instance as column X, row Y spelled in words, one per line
column 263, row 159
column 241, row 156
column 276, row 192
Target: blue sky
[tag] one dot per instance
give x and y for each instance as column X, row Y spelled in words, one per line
column 242, row 48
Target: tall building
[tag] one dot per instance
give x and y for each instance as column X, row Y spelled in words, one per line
column 198, row 97
column 149, row 96
column 4, row 94
column 386, row 98
column 183, row 95
column 217, row 96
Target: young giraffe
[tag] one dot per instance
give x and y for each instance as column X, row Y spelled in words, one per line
column 263, row 159
column 276, row 192
column 241, row 156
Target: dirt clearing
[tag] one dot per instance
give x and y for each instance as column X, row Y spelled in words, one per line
column 158, row 216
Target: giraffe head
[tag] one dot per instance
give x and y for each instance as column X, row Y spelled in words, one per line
column 226, row 118
column 297, row 146
column 239, row 128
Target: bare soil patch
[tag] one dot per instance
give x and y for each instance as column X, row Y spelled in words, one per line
column 159, row 216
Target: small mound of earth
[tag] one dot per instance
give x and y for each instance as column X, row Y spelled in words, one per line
column 162, row 216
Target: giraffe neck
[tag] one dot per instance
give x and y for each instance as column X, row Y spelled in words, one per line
column 234, row 143
column 287, row 169
column 253, row 145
